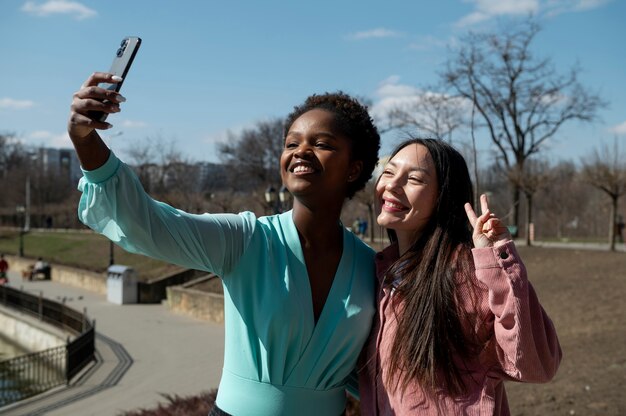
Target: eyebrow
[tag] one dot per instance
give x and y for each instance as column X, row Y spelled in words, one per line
column 412, row 168
column 316, row 135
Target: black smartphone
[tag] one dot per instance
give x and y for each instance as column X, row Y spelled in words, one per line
column 121, row 64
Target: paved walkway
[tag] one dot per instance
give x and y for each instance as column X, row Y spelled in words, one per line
column 142, row 351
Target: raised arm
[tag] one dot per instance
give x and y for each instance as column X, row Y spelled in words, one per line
column 115, row 204
column 91, row 150
column 525, row 342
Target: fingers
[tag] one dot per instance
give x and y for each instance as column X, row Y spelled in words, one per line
column 78, row 120
column 83, row 106
column 98, row 77
column 495, row 225
column 471, row 215
column 90, row 101
column 98, row 93
column 484, row 203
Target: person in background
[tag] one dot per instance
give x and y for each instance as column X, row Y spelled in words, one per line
column 41, row 267
column 363, row 227
column 298, row 286
column 4, row 268
column 457, row 315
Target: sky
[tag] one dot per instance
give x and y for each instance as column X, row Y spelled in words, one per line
column 206, row 68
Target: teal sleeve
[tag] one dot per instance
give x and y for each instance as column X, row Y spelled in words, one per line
column 352, row 385
column 114, row 203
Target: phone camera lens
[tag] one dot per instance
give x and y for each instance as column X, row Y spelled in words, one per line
column 120, row 52
column 123, row 43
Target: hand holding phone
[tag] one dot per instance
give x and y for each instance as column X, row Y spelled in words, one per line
column 122, row 61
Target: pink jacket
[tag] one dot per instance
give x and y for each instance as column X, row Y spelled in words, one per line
column 520, row 342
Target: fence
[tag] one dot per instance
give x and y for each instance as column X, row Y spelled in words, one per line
column 31, row 374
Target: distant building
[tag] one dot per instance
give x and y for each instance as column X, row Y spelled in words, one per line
column 200, row 176
column 62, row 162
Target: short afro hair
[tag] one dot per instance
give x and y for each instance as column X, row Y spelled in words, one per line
column 355, row 122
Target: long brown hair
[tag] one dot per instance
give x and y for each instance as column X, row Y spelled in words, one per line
column 430, row 322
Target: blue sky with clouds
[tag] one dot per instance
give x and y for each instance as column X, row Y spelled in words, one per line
column 208, row 67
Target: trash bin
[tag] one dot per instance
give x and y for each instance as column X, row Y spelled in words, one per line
column 121, row 284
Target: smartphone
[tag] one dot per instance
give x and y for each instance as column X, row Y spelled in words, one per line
column 121, row 64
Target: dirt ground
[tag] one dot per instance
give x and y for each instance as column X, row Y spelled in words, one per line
column 583, row 292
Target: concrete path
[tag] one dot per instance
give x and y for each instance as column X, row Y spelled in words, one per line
column 142, row 351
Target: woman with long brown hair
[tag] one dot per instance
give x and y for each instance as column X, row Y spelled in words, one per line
column 456, row 313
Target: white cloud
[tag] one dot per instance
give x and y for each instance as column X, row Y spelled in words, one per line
column 488, row 9
column 589, row 4
column 132, row 124
column 619, row 129
column 78, row 10
column 374, row 33
column 392, row 94
column 556, row 7
column 12, row 104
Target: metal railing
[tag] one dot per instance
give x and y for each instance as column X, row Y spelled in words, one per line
column 33, row 373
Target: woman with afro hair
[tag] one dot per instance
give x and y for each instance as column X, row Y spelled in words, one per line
column 298, row 286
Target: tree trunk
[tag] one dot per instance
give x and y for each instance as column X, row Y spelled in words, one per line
column 529, row 217
column 516, row 199
column 613, row 215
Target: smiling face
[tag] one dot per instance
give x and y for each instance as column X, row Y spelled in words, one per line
column 407, row 192
column 316, row 160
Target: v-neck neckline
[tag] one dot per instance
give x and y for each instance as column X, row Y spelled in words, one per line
column 303, row 283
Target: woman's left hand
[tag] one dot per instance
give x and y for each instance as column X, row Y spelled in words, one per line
column 488, row 229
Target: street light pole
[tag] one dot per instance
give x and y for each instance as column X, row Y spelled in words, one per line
column 21, row 248
column 111, row 253
column 22, row 211
column 285, row 198
column 271, row 199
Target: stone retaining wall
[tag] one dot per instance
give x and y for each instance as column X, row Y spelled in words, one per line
column 198, row 304
column 29, row 333
column 95, row 282
column 183, row 299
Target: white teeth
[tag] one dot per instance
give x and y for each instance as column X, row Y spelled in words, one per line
column 393, row 205
column 302, row 169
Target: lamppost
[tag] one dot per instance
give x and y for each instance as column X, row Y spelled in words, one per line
column 285, row 198
column 20, row 209
column 272, row 199
column 277, row 201
column 111, row 253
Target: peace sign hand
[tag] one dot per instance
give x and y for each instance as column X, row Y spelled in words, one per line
column 488, row 229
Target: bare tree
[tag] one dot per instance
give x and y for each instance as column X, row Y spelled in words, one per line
column 435, row 114
column 563, row 200
column 535, row 175
column 13, row 170
column 521, row 100
column 142, row 158
column 606, row 171
column 252, row 157
column 168, row 175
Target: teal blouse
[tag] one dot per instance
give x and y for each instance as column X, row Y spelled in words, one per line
column 277, row 360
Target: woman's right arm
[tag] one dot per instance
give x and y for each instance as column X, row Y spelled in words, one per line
column 115, row 204
column 91, row 150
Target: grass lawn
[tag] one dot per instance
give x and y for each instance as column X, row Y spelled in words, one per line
column 85, row 250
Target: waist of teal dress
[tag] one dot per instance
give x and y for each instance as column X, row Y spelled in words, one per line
column 240, row 397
